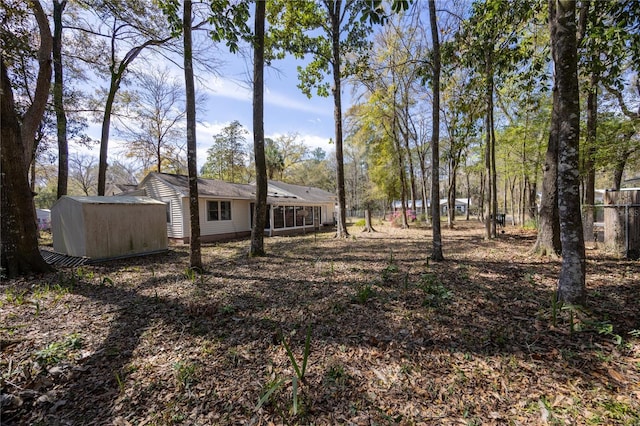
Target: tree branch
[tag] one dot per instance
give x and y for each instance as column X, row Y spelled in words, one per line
column 33, row 116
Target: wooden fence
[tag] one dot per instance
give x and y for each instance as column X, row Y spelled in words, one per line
column 622, row 222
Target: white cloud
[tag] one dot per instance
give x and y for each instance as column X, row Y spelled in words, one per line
column 231, row 89
column 227, row 88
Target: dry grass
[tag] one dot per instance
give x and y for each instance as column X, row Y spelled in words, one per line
column 394, row 339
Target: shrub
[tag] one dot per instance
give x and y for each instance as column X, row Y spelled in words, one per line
column 396, row 217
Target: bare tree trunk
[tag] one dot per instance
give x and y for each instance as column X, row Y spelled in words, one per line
column 548, row 240
column 61, row 116
column 571, row 282
column 491, row 196
column 618, row 171
column 260, row 212
column 19, row 252
column 32, row 118
column 492, row 159
column 468, row 196
column 436, row 254
column 451, row 196
column 403, row 178
column 367, row 221
column 195, row 254
column 336, row 9
column 512, row 191
column 589, row 158
column 481, row 198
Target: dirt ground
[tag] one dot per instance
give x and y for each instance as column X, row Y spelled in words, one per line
column 364, row 331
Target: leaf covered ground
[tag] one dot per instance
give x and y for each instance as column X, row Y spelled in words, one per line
column 393, row 338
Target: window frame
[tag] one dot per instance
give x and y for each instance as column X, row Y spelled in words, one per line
column 219, row 211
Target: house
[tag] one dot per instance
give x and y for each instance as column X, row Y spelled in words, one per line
column 108, row 227
column 226, row 209
column 461, row 205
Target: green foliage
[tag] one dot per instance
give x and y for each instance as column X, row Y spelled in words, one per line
column 58, row 351
column 364, row 292
column 530, row 224
column 185, row 374
column 304, row 29
column 227, row 156
column 228, row 18
column 228, row 309
column 389, row 270
column 15, row 297
column 190, row 274
column 435, row 294
column 337, row 374
column 297, row 380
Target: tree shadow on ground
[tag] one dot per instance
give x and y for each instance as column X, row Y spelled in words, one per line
column 228, row 326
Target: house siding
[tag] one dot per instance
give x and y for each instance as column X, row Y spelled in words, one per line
column 239, row 223
column 160, row 191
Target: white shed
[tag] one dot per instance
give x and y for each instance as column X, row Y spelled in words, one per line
column 108, row 227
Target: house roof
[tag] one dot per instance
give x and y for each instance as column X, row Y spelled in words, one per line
column 306, row 193
column 206, row 187
column 277, row 192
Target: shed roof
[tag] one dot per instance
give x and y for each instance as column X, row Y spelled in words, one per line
column 122, row 199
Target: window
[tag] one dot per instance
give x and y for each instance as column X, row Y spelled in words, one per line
column 278, row 217
column 212, row 211
column 225, row 210
column 289, row 217
column 168, row 205
column 308, row 216
column 218, row 210
column 299, row 216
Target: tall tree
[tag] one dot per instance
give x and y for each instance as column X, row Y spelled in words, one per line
column 61, row 116
column 195, row 255
column 129, row 27
column 293, row 152
column 490, row 44
column 548, row 238
column 436, row 253
column 226, row 158
column 566, row 119
column 273, row 158
column 330, row 31
column 19, row 252
column 154, row 127
column 83, row 173
column 229, row 22
column 260, row 210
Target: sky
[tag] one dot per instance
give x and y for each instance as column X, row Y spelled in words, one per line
column 286, row 109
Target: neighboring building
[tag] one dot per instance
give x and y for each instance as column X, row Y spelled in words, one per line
column 44, row 219
column 108, row 227
column 120, row 189
column 226, row 208
column 461, row 205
